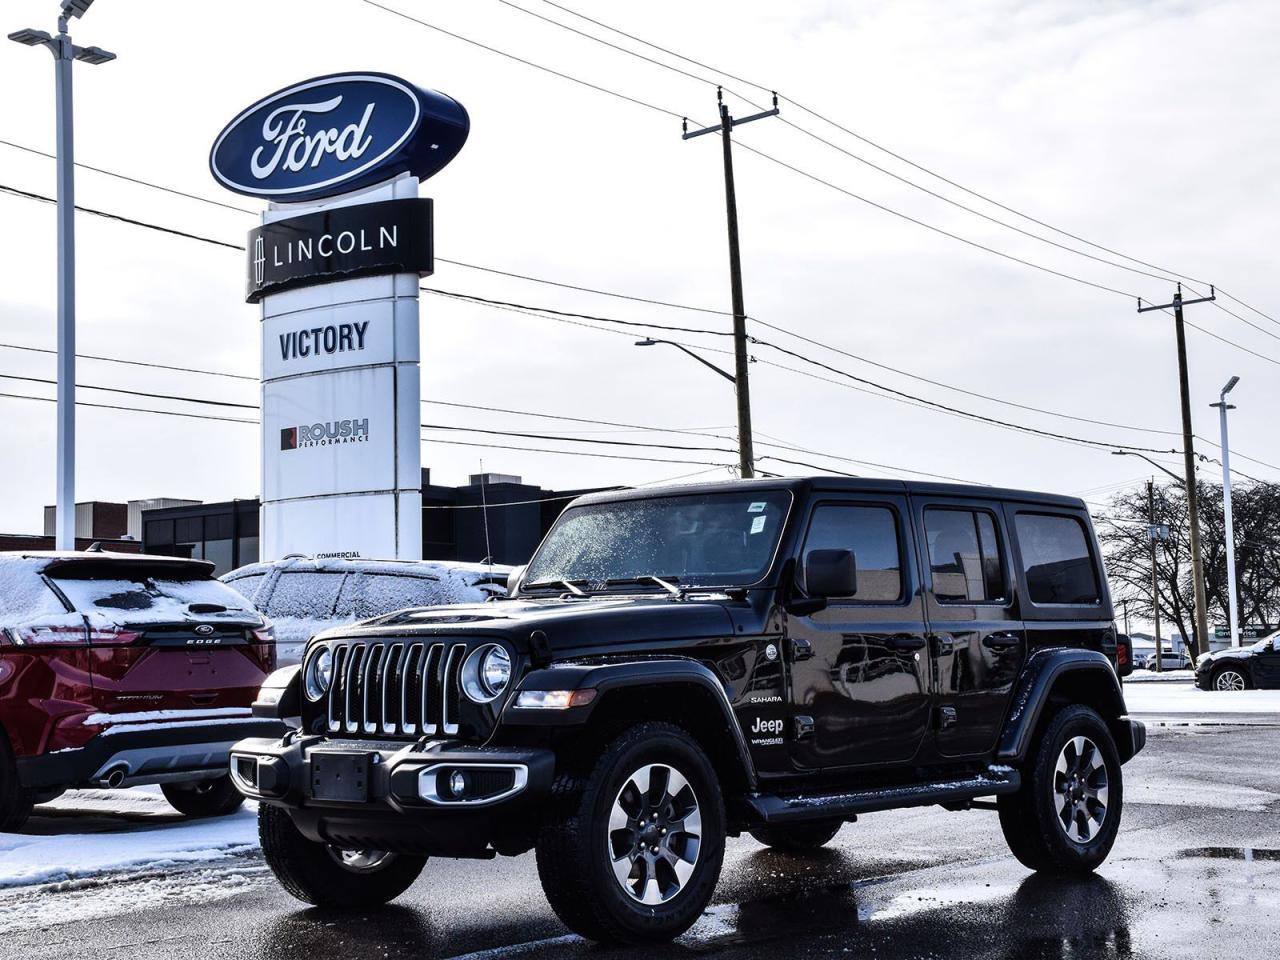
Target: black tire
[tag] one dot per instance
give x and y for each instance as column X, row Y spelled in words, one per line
column 204, row 798
column 16, row 800
column 314, row 872
column 576, row 848
column 1223, row 679
column 1033, row 819
column 799, row 837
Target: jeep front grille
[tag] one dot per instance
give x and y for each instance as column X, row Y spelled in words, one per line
column 395, row 689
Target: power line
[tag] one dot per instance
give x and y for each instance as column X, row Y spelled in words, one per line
column 1165, row 272
column 527, row 63
column 132, row 363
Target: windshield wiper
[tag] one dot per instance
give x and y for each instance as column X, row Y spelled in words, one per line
column 666, row 583
column 570, row 585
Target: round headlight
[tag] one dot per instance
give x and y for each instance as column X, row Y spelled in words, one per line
column 486, row 673
column 319, row 673
column 495, row 671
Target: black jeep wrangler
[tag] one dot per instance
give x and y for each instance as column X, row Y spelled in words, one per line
column 676, row 666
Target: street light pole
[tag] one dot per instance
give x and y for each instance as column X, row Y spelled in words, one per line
column 64, row 51
column 1233, row 613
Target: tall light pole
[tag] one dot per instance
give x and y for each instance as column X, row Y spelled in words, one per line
column 1227, row 528
column 64, row 51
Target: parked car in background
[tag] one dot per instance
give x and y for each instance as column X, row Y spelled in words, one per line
column 302, row 595
column 1169, row 660
column 124, row 669
column 1239, row 668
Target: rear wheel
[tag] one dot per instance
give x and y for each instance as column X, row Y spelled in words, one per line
column 634, row 852
column 799, row 837
column 15, row 800
column 1065, row 817
column 204, row 798
column 326, row 876
column 1230, row 679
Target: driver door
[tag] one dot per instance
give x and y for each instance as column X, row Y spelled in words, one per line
column 858, row 669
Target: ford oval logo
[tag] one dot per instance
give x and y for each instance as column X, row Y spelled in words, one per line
column 204, row 630
column 337, row 133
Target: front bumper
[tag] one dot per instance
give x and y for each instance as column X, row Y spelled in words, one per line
column 160, row 752
column 397, row 796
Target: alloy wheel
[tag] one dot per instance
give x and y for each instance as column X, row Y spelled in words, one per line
column 654, row 834
column 361, row 861
column 1080, row 786
column 1229, row 680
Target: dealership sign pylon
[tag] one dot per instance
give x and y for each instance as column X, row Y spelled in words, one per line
column 334, row 267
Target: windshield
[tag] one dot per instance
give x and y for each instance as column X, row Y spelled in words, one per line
column 706, row 539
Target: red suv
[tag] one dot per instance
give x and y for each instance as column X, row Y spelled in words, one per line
column 121, row 669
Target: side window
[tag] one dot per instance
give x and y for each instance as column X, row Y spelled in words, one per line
column 304, row 594
column 248, row 586
column 1056, row 559
column 371, row 595
column 871, row 533
column 964, row 556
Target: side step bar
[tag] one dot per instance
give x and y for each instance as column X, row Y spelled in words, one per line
column 773, row 808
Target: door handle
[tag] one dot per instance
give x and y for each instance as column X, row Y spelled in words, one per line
column 906, row 641
column 1001, row 641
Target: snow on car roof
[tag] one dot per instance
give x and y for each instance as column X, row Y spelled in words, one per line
column 440, row 569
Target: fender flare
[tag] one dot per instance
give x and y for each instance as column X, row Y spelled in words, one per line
column 608, row 676
column 1031, row 696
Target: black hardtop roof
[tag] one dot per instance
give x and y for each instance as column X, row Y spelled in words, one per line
column 819, row 484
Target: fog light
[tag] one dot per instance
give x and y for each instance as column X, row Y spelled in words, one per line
column 457, row 783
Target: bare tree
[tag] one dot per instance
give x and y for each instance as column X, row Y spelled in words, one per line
column 1123, row 529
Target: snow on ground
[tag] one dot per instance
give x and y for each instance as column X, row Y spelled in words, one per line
column 141, row 832
column 1182, row 699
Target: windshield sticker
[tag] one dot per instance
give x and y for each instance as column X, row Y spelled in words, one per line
column 757, row 507
column 757, row 525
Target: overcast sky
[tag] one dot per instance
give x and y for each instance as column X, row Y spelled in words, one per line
column 1146, row 127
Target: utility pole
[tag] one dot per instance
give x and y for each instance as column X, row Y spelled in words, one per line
column 64, row 51
column 1155, row 593
column 1189, row 461
column 1228, row 526
column 746, row 456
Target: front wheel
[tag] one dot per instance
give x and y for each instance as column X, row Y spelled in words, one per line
column 204, row 798
column 1230, row 679
column 1065, row 817
column 634, row 852
column 326, row 876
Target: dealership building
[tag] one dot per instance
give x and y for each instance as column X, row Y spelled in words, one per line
column 454, row 524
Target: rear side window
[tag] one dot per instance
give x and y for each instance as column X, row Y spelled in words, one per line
column 305, row 595
column 871, row 533
column 371, row 595
column 964, row 556
column 247, row 587
column 1056, row 559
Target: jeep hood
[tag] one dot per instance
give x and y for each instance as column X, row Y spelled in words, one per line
column 567, row 624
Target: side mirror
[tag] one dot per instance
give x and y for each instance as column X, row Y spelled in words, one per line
column 830, row 573
column 514, row 578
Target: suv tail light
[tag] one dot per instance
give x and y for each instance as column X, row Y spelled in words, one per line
column 64, row 634
column 265, row 634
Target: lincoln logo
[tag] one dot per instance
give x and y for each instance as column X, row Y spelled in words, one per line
column 324, row 434
column 259, row 260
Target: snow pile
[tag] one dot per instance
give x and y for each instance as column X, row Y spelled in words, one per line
column 30, row 859
column 1183, row 699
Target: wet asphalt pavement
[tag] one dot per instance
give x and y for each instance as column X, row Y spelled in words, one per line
column 1195, row 873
